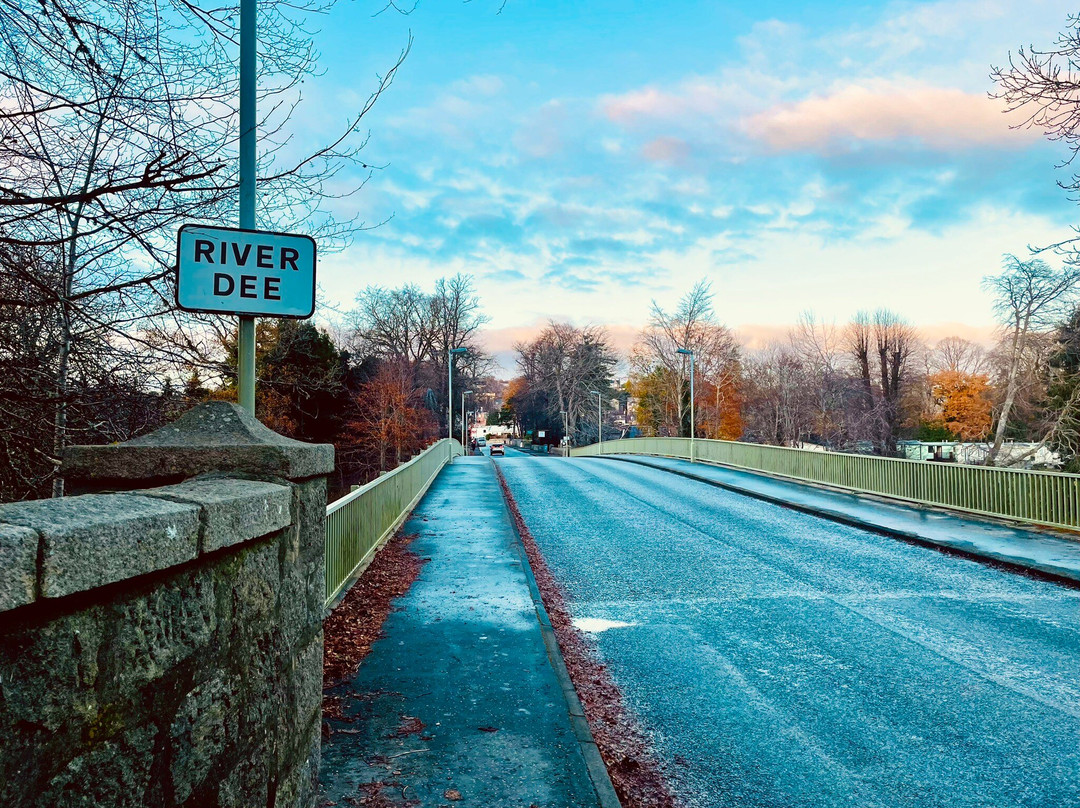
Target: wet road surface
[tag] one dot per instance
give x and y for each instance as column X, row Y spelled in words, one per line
column 779, row 659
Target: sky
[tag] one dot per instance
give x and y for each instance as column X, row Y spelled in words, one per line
column 584, row 159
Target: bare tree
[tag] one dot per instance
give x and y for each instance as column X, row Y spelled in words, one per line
column 1030, row 299
column 819, row 346
column 398, row 323
column 881, row 346
column 564, row 364
column 778, row 395
column 409, row 325
column 1044, row 87
column 958, row 355
column 118, row 122
column 692, row 325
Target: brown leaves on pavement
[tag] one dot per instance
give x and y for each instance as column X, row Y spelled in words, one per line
column 358, row 620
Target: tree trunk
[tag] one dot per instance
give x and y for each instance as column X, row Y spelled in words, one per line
column 1011, row 385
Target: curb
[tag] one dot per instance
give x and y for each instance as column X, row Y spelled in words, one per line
column 1032, row 569
column 594, row 762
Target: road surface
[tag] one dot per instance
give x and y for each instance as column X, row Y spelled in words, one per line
column 779, row 659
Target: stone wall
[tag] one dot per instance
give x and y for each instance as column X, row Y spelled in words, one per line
column 163, row 646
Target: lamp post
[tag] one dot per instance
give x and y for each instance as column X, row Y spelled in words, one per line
column 463, row 419
column 450, row 353
column 688, row 352
column 565, row 430
column 599, row 424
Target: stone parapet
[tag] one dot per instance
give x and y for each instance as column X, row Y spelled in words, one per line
column 163, row 645
column 217, row 437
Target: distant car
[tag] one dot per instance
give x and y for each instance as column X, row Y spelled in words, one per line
column 481, row 441
column 497, row 448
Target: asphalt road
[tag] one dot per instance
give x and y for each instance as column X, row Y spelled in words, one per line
column 779, row 659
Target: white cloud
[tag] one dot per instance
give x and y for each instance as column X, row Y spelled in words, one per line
column 878, row 111
column 486, row 85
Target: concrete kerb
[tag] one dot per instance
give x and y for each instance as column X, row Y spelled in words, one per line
column 1032, row 569
column 598, row 773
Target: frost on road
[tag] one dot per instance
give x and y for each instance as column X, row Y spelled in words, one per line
column 779, row 659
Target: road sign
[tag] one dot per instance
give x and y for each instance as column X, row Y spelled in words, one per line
column 223, row 270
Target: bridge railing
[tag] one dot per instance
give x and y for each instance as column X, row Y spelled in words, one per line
column 361, row 520
column 1037, row 497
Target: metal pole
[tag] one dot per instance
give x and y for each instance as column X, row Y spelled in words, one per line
column 692, row 444
column 245, row 340
column 464, row 418
column 450, row 404
column 599, row 423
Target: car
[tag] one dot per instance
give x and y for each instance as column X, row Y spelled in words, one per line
column 497, row 448
column 481, row 441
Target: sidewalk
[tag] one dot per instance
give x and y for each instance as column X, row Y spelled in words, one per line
column 1027, row 549
column 458, row 704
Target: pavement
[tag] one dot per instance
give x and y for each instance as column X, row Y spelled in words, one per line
column 459, row 703
column 777, row 658
column 1025, row 548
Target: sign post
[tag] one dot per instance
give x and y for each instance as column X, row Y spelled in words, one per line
column 245, row 342
column 244, row 271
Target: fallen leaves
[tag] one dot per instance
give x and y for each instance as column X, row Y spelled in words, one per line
column 635, row 773
column 357, row 622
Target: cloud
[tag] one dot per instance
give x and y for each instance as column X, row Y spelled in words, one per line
column 877, row 111
column 478, row 85
column 666, row 150
column 541, row 135
column 692, row 99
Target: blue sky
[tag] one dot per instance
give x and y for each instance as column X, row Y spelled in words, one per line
column 581, row 159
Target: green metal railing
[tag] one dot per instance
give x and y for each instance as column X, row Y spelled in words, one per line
column 1037, row 497
column 359, row 522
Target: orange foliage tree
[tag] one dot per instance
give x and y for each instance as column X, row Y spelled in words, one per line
column 964, row 398
column 389, row 422
column 718, row 409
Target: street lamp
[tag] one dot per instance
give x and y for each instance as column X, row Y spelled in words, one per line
column 688, row 352
column 565, row 429
column 599, row 424
column 463, row 394
column 450, row 399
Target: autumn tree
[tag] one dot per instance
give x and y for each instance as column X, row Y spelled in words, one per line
column 655, row 411
column 964, row 402
column 389, row 422
column 531, row 409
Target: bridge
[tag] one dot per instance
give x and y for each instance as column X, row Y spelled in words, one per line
column 749, row 629
column 777, row 642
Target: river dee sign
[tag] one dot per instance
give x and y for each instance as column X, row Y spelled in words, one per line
column 225, row 271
